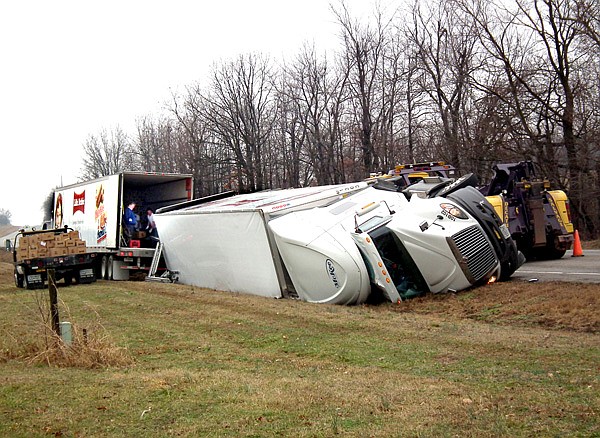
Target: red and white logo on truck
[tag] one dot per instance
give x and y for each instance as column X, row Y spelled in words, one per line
column 79, row 202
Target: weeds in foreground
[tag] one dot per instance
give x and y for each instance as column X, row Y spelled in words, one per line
column 36, row 343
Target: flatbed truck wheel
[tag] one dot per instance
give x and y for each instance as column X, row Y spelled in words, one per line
column 18, row 280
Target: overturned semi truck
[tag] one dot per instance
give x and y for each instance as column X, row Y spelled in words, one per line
column 342, row 244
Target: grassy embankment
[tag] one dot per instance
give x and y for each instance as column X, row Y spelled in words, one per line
column 503, row 360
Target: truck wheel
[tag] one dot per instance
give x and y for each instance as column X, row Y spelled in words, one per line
column 464, row 181
column 554, row 249
column 109, row 270
column 104, row 268
column 68, row 278
column 18, row 280
column 26, row 283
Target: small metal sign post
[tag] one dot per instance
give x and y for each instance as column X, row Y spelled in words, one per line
column 53, row 301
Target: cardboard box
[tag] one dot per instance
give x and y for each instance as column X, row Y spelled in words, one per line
column 59, row 244
column 22, row 253
column 76, row 250
column 80, row 243
column 69, row 243
column 57, row 252
column 73, row 234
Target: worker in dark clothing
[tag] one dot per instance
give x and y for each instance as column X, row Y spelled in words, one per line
column 130, row 221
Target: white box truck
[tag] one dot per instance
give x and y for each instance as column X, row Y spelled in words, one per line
column 338, row 244
column 96, row 208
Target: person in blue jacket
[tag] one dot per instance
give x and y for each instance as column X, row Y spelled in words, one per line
column 130, row 221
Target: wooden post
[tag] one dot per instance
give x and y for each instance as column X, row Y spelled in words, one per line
column 53, row 301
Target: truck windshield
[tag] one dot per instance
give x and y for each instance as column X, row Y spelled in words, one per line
column 402, row 269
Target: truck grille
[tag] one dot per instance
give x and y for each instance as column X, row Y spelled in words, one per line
column 473, row 252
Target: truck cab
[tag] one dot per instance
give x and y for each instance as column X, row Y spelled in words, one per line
column 380, row 240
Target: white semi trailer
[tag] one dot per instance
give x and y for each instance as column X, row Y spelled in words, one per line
column 95, row 209
column 333, row 244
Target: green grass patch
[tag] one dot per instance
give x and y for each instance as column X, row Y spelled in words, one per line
column 213, row 364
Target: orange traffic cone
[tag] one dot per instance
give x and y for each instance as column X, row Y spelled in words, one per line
column 577, row 251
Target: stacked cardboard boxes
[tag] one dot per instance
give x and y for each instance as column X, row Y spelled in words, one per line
column 49, row 245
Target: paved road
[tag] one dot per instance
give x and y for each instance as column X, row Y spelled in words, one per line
column 584, row 269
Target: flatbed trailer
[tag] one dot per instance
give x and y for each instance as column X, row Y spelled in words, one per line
column 35, row 252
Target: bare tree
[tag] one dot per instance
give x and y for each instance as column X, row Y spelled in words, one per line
column 5, row 216
column 363, row 59
column 199, row 151
column 290, row 135
column 587, row 14
column 48, row 207
column 444, row 52
column 315, row 93
column 240, row 110
column 106, row 154
column 537, row 45
column 155, row 145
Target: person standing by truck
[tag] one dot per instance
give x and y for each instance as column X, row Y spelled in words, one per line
column 130, row 221
column 151, row 224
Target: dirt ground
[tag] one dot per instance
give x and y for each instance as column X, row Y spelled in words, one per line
column 550, row 305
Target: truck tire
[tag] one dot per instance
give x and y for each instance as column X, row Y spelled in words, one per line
column 554, row 250
column 109, row 268
column 26, row 284
column 68, row 279
column 104, row 268
column 18, row 280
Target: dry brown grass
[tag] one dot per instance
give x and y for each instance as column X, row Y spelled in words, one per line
column 591, row 244
column 33, row 340
column 90, row 349
column 553, row 305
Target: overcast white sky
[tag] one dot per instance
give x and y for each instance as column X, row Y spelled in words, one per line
column 70, row 68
